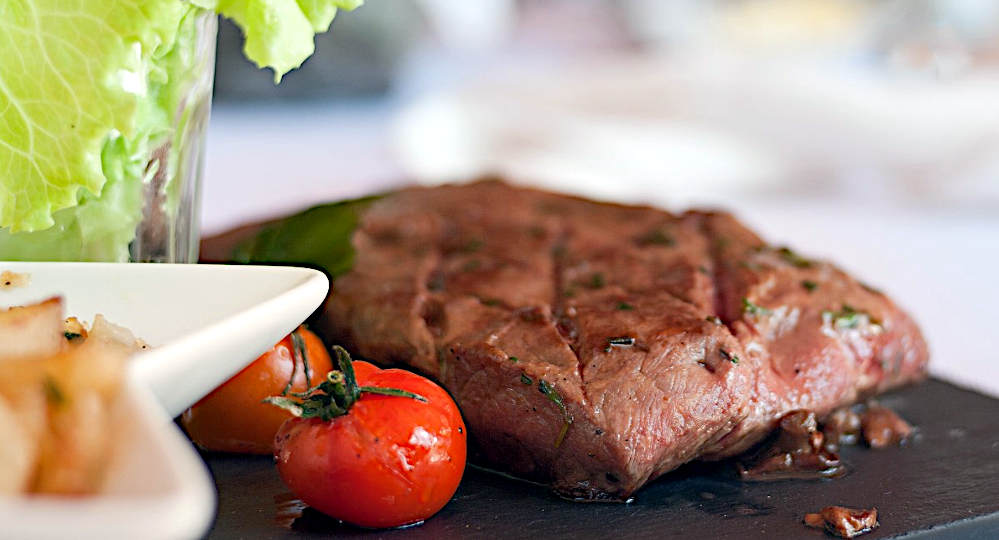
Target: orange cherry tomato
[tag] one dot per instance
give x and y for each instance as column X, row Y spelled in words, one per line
column 234, row 418
column 387, row 461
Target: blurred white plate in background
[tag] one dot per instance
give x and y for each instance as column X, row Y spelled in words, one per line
column 709, row 127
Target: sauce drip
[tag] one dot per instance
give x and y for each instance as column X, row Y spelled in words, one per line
column 798, row 450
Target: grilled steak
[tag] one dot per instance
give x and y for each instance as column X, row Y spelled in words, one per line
column 597, row 346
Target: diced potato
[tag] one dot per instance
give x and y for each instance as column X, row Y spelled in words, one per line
column 75, row 448
column 112, row 336
column 80, row 385
column 34, row 330
column 73, row 329
column 95, row 365
column 56, row 395
column 20, row 376
column 13, row 280
column 17, row 452
column 20, row 386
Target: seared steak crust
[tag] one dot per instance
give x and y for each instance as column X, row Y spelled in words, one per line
column 596, row 346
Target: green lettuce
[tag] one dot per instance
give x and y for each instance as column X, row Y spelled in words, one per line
column 89, row 89
column 279, row 33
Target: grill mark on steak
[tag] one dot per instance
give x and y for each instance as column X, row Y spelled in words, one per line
column 562, row 318
column 714, row 273
column 432, row 313
column 558, row 285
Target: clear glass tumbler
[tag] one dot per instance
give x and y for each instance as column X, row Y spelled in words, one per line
column 169, row 230
column 147, row 210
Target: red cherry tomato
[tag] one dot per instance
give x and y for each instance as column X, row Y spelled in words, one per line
column 234, row 418
column 389, row 461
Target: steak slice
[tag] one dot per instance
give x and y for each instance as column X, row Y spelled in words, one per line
column 597, row 346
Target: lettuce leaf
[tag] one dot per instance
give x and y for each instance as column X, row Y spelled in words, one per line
column 88, row 89
column 68, row 80
column 279, row 34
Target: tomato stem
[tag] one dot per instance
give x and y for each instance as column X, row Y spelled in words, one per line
column 300, row 352
column 392, row 392
column 297, row 354
column 336, row 394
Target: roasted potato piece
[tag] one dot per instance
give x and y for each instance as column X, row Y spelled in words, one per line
column 73, row 329
column 34, row 330
column 58, row 382
column 18, row 448
column 113, row 337
column 20, row 387
column 79, row 385
column 12, row 280
column 75, row 448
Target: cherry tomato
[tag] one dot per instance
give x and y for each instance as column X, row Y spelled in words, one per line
column 388, row 461
column 234, row 418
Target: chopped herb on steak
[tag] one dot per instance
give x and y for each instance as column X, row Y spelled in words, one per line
column 750, row 308
column 656, row 237
column 729, row 356
column 848, row 317
column 549, row 391
column 793, row 258
column 619, row 342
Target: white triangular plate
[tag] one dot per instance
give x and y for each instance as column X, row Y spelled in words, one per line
column 205, row 323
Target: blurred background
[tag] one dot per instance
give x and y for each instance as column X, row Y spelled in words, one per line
column 866, row 131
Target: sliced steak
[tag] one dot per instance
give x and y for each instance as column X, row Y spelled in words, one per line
column 597, row 346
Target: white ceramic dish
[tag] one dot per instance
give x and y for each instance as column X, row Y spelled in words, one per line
column 205, row 322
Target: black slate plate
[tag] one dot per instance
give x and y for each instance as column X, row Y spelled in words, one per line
column 944, row 484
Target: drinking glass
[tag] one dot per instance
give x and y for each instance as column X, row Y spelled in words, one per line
column 147, row 210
